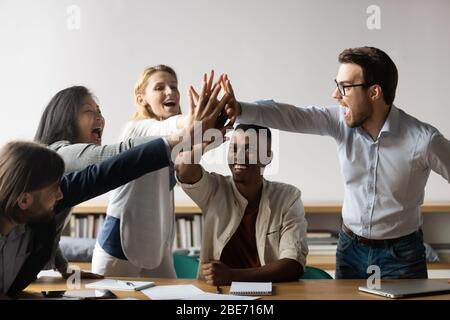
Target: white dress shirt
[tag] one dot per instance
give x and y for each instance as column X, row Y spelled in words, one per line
column 384, row 179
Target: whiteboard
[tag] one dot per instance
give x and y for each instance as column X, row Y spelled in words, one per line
column 274, row 49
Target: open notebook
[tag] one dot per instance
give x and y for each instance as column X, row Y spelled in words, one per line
column 251, row 288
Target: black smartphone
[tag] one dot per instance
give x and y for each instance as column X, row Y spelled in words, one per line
column 90, row 294
column 54, row 294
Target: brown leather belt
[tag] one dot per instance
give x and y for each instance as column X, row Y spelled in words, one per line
column 375, row 242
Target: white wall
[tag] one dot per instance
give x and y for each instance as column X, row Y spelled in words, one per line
column 281, row 49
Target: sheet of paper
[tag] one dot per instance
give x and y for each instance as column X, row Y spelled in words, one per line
column 49, row 273
column 113, row 284
column 174, row 292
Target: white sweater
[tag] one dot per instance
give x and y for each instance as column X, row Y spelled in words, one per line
column 145, row 207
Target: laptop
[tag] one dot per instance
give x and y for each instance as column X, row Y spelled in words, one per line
column 409, row 288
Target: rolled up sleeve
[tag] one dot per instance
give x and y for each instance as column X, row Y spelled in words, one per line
column 293, row 243
column 202, row 191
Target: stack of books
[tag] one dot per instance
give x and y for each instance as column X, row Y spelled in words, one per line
column 85, row 226
column 188, row 232
column 322, row 242
column 443, row 252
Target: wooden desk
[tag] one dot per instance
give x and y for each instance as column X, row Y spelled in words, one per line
column 301, row 290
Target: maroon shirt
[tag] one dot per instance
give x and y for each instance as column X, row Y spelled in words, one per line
column 241, row 251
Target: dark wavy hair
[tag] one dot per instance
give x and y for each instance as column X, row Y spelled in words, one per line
column 244, row 127
column 26, row 167
column 377, row 66
column 59, row 119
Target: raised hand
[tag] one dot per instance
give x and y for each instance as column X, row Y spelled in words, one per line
column 232, row 108
column 204, row 109
column 221, row 121
column 206, row 106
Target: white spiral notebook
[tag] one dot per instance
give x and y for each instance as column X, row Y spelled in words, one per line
column 251, row 288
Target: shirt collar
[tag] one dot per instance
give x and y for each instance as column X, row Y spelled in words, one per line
column 238, row 196
column 391, row 123
column 264, row 208
column 241, row 199
column 15, row 233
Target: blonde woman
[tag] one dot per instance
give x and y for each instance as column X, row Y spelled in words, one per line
column 136, row 239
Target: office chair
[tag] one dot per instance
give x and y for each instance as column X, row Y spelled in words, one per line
column 185, row 266
column 315, row 273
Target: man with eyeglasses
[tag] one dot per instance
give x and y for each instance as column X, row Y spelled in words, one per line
column 385, row 156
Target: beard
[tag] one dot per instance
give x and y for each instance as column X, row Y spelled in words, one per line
column 359, row 119
column 42, row 216
column 32, row 215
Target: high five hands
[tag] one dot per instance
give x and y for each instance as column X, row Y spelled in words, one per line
column 210, row 92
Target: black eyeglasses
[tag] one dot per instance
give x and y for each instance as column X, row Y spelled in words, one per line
column 342, row 87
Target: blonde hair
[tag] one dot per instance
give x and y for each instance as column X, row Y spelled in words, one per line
column 145, row 112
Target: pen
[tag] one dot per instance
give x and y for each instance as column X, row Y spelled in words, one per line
column 218, row 290
column 127, row 283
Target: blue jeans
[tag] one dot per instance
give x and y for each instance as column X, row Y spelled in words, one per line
column 401, row 259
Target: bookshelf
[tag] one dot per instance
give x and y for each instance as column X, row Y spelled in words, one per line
column 84, row 225
column 310, row 208
column 320, row 215
column 87, row 219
